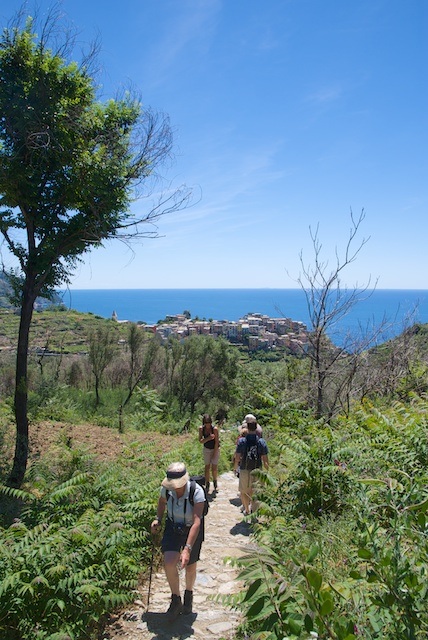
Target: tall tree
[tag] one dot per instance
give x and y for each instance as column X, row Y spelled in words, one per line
column 142, row 351
column 70, row 166
column 102, row 349
column 333, row 368
column 206, row 370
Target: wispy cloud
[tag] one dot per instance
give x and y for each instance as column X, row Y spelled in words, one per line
column 268, row 40
column 325, row 95
column 232, row 178
column 193, row 25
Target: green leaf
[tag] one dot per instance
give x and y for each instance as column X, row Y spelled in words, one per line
column 365, row 554
column 252, row 589
column 264, row 615
column 256, row 607
column 327, row 607
column 422, row 520
column 356, row 575
column 61, row 605
column 420, row 506
column 314, row 579
column 308, row 622
column 372, row 577
column 313, row 552
column 295, row 626
column 372, row 481
column 385, row 561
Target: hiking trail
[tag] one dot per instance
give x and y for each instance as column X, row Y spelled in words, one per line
column 226, row 535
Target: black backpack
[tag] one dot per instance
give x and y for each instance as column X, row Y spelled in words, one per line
column 201, row 482
column 251, row 457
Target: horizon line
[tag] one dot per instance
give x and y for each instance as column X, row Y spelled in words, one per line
column 344, row 288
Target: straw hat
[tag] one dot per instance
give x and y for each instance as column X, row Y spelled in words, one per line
column 176, row 476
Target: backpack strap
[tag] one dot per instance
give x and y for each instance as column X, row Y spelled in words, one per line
column 169, row 495
column 192, row 492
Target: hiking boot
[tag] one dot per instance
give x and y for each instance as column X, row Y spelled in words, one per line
column 188, row 601
column 175, row 608
column 207, row 486
column 215, row 485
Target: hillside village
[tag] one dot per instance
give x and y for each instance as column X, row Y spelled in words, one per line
column 255, row 330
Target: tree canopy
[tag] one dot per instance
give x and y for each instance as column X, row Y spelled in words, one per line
column 70, row 166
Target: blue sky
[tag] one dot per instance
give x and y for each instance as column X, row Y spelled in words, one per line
column 287, row 114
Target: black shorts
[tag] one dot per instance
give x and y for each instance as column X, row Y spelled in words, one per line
column 174, row 539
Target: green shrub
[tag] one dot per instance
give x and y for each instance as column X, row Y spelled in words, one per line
column 80, row 543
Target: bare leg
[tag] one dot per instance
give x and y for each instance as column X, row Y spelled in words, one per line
column 190, row 576
column 245, row 489
column 170, row 562
column 245, row 499
column 207, row 474
column 215, row 471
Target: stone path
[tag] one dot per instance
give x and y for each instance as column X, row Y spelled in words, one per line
column 226, row 535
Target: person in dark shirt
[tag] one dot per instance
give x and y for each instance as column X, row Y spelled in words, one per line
column 251, row 453
column 208, row 436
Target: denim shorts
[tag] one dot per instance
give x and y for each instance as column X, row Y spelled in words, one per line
column 174, row 539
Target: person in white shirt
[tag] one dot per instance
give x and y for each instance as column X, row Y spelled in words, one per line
column 183, row 533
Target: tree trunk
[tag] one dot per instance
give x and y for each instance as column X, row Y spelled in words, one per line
column 121, row 429
column 97, row 392
column 20, row 460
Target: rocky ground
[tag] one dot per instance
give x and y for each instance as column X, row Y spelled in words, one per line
column 226, row 535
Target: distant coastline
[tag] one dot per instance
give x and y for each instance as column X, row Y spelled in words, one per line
column 152, row 305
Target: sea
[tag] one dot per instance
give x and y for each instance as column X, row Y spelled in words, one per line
column 391, row 310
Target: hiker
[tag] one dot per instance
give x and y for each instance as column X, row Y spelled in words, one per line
column 250, row 418
column 251, row 453
column 208, row 436
column 221, row 417
column 183, row 534
column 243, row 432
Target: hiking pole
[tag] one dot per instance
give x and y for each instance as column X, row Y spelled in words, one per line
column 152, row 559
column 151, row 570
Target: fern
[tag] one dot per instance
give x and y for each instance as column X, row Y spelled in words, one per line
column 79, row 560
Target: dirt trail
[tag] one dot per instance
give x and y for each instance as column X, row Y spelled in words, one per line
column 226, row 535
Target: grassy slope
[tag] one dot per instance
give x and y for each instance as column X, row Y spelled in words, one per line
column 55, row 330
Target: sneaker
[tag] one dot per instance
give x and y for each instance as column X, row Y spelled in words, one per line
column 188, row 601
column 175, row 608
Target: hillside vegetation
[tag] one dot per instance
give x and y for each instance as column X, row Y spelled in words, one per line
column 342, row 523
column 58, row 329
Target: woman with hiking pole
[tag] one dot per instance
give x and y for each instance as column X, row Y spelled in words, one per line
column 181, row 543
